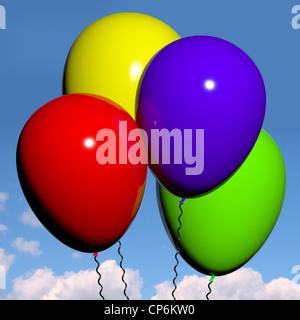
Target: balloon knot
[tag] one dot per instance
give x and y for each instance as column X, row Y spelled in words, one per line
column 182, row 200
column 212, row 277
column 95, row 254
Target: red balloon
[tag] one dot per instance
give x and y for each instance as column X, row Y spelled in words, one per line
column 84, row 204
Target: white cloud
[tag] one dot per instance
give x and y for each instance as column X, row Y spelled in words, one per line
column 43, row 284
column 31, row 247
column 76, row 255
column 3, row 228
column 29, row 218
column 33, row 286
column 3, row 198
column 6, row 259
column 243, row 284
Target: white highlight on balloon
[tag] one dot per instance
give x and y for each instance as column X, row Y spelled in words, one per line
column 209, row 84
column 89, row 143
column 135, row 70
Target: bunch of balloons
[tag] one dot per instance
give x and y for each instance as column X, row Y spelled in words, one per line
column 86, row 205
column 134, row 68
column 235, row 198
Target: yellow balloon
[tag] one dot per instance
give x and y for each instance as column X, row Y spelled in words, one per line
column 109, row 56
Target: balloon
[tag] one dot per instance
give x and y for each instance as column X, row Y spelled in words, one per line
column 223, row 229
column 84, row 202
column 210, row 96
column 110, row 55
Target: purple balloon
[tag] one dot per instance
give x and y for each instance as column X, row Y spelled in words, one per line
column 202, row 103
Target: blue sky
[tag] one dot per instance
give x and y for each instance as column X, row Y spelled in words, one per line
column 33, row 49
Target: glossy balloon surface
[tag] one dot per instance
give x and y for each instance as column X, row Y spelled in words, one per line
column 86, row 205
column 109, row 56
column 201, row 83
column 223, row 229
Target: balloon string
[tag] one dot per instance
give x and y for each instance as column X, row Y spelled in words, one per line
column 178, row 249
column 97, row 270
column 122, row 270
column 211, row 280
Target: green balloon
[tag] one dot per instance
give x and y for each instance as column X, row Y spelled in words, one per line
column 224, row 228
